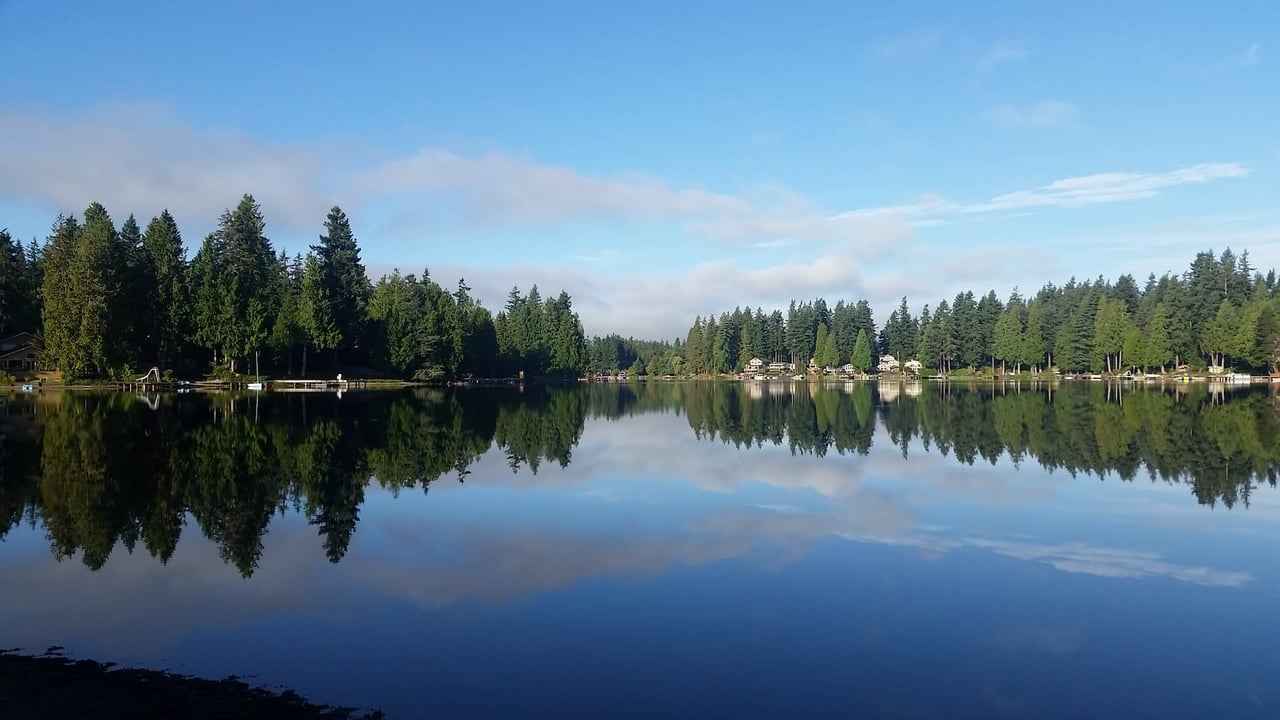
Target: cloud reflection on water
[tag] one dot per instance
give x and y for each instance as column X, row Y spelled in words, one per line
column 665, row 499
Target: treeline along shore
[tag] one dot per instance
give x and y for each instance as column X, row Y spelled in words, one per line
column 106, row 303
column 1219, row 314
column 101, row 302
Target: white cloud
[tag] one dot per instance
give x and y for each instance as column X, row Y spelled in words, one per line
column 1001, row 52
column 1074, row 192
column 1078, row 557
column 1046, row 114
column 663, row 304
column 1108, row 187
column 138, row 158
column 776, row 244
column 916, row 42
column 499, row 186
column 141, row 159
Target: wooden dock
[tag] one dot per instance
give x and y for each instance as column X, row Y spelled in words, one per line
column 315, row 385
column 240, row 385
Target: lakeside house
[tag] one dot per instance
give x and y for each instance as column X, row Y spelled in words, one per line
column 888, row 363
column 781, row 367
column 19, row 352
column 755, row 365
column 913, row 366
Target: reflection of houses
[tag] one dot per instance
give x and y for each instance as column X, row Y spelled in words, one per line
column 19, row 352
column 888, row 363
column 888, row 391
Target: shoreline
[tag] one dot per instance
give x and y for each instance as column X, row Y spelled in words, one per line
column 54, row 686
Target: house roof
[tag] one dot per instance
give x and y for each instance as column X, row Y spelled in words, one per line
column 19, row 353
column 19, row 341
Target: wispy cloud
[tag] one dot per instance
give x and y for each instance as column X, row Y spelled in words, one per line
column 775, row 244
column 1252, row 55
column 500, row 187
column 916, row 42
column 661, row 304
column 142, row 159
column 1079, row 557
column 1046, row 114
column 1001, row 52
column 1074, row 192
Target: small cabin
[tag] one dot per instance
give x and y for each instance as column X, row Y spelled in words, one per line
column 19, row 352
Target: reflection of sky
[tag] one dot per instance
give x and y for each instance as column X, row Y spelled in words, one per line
column 657, row 572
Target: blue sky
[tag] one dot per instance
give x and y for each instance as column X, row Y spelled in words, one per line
column 664, row 159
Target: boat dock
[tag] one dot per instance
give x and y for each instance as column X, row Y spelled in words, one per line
column 313, row 385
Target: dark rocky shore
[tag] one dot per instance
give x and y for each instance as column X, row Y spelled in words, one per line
column 52, row 686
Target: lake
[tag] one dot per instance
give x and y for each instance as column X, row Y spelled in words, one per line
column 663, row 550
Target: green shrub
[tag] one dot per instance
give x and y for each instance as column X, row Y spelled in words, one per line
column 222, row 372
column 6, row 378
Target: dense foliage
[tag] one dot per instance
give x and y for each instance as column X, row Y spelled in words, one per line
column 110, row 301
column 1219, row 313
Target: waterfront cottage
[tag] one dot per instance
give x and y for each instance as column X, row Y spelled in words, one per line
column 19, row 352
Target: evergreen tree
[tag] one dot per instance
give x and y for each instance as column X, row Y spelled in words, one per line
column 288, row 334
column 1109, row 333
column 135, row 282
column 1007, row 342
column 720, row 349
column 315, row 311
column 1219, row 336
column 924, row 338
column 342, row 275
column 966, row 333
column 1157, row 348
column 206, row 289
column 693, row 347
column 747, row 347
column 861, row 354
column 14, row 290
column 988, row 314
column 820, row 347
column 82, row 293
column 246, row 280
column 568, row 343
column 845, row 330
column 166, row 313
column 1033, row 341
column 395, row 307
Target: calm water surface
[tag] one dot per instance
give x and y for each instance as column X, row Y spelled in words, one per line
column 663, row 550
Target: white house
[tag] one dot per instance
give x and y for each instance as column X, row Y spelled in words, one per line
column 755, row 364
column 781, row 367
column 848, row 369
column 913, row 366
column 888, row 363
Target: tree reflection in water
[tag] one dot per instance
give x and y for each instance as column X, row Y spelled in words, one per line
column 101, row 471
